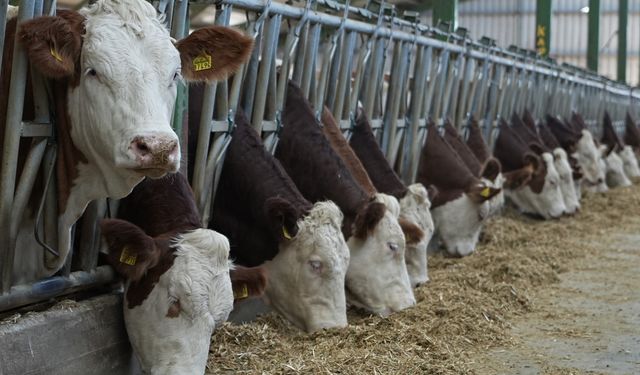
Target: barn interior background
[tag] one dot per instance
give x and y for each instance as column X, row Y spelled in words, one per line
column 431, row 69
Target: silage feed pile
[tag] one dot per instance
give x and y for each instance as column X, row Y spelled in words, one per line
column 465, row 307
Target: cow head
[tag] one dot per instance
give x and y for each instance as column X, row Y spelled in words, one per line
column 567, row 185
column 614, row 165
column 307, row 276
column 590, row 160
column 630, row 162
column 377, row 279
column 122, row 70
column 491, row 175
column 178, row 290
column 415, row 206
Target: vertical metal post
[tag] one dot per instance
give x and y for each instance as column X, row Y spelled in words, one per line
column 623, row 16
column 446, row 11
column 543, row 27
column 593, row 38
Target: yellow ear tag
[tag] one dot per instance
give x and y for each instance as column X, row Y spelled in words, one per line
column 202, row 62
column 242, row 293
column 485, row 192
column 55, row 54
column 127, row 258
column 285, row 233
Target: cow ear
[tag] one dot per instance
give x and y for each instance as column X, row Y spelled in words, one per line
column 412, row 232
column 248, row 281
column 518, row 178
column 433, row 192
column 479, row 193
column 53, row 44
column 491, row 169
column 368, row 218
column 131, row 252
column 603, row 149
column 532, row 160
column 213, row 53
column 536, row 147
column 282, row 216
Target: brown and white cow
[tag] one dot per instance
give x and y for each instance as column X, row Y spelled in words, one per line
column 460, row 207
column 268, row 221
column 541, row 194
column 488, row 170
column 115, row 72
column 526, row 129
column 377, row 278
column 579, row 143
column 178, row 288
column 617, row 167
column 414, row 213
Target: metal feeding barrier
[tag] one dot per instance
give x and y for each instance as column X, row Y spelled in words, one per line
column 402, row 74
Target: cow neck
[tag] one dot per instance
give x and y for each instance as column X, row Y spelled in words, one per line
column 68, row 156
column 161, row 206
column 631, row 133
column 476, row 143
column 578, row 122
column 314, row 167
column 440, row 166
column 529, row 121
column 523, row 131
column 138, row 291
column 339, row 144
column 364, row 145
column 565, row 135
column 609, row 136
column 455, row 141
column 547, row 137
column 510, row 149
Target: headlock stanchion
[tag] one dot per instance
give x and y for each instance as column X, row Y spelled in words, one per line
column 397, row 72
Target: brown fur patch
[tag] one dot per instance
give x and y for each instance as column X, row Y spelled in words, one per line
column 53, row 44
column 282, row 214
column 226, row 48
column 455, row 141
column 518, row 178
column 339, row 144
column 609, row 135
column 363, row 142
column 254, row 279
column 491, row 169
column 529, row 121
column 476, row 143
column 547, row 137
column 412, row 233
column 568, row 137
column 368, row 218
column 631, row 132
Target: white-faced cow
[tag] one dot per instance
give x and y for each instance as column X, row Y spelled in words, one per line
column 525, row 128
column 414, row 205
column 269, row 222
column 541, row 194
column 489, row 171
column 115, row 71
column 460, row 207
column 178, row 287
column 615, row 175
column 578, row 142
column 377, row 278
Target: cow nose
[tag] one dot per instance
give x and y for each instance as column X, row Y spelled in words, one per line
column 153, row 151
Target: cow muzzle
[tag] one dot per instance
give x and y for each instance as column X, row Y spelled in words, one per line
column 155, row 155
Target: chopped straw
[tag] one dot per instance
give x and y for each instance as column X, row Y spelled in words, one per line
column 465, row 308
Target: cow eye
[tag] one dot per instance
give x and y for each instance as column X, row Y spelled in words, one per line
column 177, row 75
column 91, row 72
column 316, row 266
column 393, row 246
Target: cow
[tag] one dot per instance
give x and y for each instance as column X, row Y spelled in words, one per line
column 178, row 288
column 269, row 222
column 488, row 170
column 115, row 71
column 377, row 279
column 618, row 161
column 629, row 153
column 541, row 194
column 414, row 213
column 527, row 128
column 578, row 142
column 460, row 207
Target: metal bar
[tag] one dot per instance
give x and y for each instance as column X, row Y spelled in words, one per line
column 22, row 295
column 623, row 18
column 593, row 36
column 88, row 246
column 4, row 5
column 268, row 57
column 344, row 75
column 310, row 59
column 11, row 144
